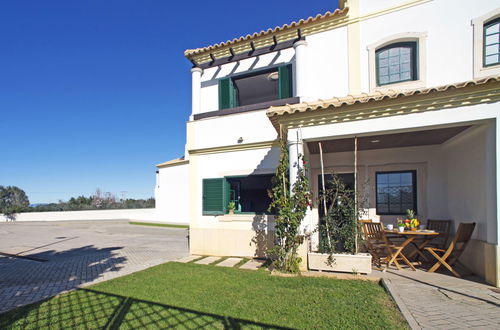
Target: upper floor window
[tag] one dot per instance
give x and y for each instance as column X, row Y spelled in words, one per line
column 492, row 42
column 259, row 87
column 396, row 63
column 487, row 44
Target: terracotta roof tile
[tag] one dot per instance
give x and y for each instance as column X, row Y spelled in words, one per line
column 337, row 102
column 190, row 53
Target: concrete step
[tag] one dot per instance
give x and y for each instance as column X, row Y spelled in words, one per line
column 229, row 262
column 253, row 264
column 187, row 259
column 207, row 260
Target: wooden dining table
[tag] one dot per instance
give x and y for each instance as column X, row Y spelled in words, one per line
column 411, row 236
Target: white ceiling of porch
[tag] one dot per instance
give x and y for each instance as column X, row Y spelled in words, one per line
column 396, row 140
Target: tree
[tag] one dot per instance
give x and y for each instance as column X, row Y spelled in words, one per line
column 103, row 200
column 12, row 200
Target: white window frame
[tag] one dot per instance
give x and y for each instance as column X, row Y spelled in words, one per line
column 420, row 39
column 480, row 71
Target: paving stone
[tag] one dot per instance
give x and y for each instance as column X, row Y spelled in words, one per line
column 187, row 259
column 90, row 253
column 253, row 264
column 229, row 262
column 207, row 260
column 441, row 301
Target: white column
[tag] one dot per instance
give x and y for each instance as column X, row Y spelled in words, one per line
column 295, row 148
column 496, row 190
column 300, row 68
column 195, row 91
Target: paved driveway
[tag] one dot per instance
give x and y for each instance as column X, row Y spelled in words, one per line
column 53, row 257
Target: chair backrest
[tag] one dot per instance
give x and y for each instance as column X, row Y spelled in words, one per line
column 462, row 238
column 373, row 230
column 443, row 228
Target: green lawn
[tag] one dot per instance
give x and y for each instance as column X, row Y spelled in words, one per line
column 197, row 296
column 157, row 224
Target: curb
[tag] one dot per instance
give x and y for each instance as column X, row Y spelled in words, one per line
column 386, row 283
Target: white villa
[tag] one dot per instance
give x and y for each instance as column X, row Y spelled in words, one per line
column 415, row 82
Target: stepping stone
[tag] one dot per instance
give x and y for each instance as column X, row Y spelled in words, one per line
column 253, row 264
column 187, row 259
column 207, row 260
column 229, row 262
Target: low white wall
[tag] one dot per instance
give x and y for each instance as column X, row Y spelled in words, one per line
column 149, row 215
column 172, row 194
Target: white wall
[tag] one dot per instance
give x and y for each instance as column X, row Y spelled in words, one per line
column 327, row 67
column 252, row 126
column 148, row 215
column 172, row 194
column 449, row 35
column 467, row 178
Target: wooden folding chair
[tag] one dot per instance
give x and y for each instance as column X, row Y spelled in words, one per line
column 381, row 248
column 450, row 256
column 439, row 226
column 373, row 240
column 443, row 228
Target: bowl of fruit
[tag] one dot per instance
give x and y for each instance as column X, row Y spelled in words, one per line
column 411, row 222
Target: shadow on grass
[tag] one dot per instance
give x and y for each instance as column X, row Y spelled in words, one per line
column 86, row 308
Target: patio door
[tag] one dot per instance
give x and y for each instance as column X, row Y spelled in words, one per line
column 347, row 179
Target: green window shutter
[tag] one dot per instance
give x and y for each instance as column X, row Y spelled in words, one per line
column 215, row 196
column 227, row 94
column 285, row 82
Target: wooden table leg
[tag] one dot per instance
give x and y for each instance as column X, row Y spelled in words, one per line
column 419, row 249
column 398, row 252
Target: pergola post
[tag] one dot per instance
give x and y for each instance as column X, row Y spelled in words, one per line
column 300, row 68
column 196, row 91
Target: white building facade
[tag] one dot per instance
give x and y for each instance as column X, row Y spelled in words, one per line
column 415, row 83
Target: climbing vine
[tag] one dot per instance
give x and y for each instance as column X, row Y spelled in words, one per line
column 290, row 210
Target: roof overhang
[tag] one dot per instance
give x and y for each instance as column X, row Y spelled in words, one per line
column 384, row 103
column 269, row 38
column 173, row 162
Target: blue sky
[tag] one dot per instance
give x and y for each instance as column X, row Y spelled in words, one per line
column 95, row 93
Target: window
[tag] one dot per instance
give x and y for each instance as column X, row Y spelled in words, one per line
column 396, row 63
column 260, row 87
column 491, row 42
column 250, row 194
column 398, row 59
column 396, row 192
column 486, row 44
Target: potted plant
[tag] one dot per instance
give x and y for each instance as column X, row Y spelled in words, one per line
column 401, row 226
column 231, row 206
